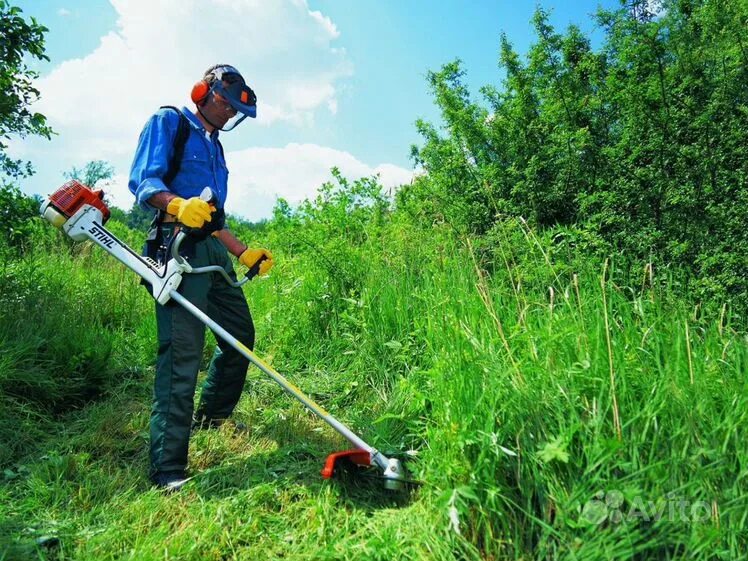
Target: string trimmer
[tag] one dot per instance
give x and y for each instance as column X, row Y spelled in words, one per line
column 81, row 213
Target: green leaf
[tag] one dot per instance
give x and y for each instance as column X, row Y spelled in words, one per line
column 554, row 451
column 468, row 493
column 394, row 345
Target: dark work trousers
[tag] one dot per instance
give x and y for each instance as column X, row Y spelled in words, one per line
column 181, row 338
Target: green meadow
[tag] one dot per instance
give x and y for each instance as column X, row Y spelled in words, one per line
column 549, row 409
column 548, row 326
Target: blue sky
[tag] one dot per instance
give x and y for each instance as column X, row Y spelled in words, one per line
column 339, row 82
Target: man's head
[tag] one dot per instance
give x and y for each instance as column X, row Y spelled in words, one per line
column 223, row 98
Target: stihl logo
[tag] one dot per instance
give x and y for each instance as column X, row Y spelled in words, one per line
column 101, row 236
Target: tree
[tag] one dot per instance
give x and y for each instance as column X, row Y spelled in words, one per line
column 138, row 218
column 18, row 218
column 18, row 39
column 642, row 143
column 93, row 172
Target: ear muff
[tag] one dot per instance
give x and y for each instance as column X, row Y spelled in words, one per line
column 200, row 91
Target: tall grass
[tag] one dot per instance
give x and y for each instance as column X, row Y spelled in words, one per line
column 69, row 316
column 552, row 410
column 542, row 391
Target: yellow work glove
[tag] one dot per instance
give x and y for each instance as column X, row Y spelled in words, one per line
column 250, row 257
column 193, row 212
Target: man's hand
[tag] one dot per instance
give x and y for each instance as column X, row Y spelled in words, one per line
column 250, row 257
column 193, row 212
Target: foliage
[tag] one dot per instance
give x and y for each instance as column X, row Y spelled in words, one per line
column 19, row 219
column 644, row 142
column 502, row 325
column 138, row 218
column 58, row 339
column 18, row 39
column 549, row 411
column 329, row 237
column 92, row 173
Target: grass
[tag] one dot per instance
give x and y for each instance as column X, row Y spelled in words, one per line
column 556, row 413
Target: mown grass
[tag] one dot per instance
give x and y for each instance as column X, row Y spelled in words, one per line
column 553, row 412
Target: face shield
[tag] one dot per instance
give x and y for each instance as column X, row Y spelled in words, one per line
column 233, row 98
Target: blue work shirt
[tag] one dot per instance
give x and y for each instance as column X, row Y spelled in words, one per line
column 203, row 163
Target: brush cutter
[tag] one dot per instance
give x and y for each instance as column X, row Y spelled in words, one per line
column 81, row 213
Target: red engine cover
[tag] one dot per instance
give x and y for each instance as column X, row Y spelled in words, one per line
column 69, row 198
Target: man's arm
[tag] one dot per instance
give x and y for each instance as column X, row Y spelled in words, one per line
column 151, row 159
column 161, row 200
column 233, row 245
column 246, row 256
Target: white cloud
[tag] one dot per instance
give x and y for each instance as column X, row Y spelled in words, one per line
column 160, row 49
column 64, row 12
column 259, row 175
column 327, row 23
column 98, row 103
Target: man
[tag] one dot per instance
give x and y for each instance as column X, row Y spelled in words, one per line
column 178, row 155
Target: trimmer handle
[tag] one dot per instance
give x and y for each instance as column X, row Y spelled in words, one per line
column 210, row 197
column 192, row 232
column 254, row 270
column 177, row 242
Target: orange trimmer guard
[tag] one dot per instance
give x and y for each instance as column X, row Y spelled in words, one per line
column 357, row 456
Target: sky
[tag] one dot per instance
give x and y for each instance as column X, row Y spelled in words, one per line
column 339, row 82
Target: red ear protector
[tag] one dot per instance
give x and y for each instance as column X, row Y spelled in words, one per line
column 201, row 89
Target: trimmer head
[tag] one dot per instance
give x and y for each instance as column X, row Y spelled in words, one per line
column 393, row 473
column 336, row 460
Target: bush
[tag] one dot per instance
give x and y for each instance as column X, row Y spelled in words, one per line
column 643, row 143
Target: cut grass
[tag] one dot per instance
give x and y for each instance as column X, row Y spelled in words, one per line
column 535, row 396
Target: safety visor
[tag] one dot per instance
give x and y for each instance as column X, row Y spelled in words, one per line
column 239, row 96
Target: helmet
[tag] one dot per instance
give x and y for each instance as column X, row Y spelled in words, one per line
column 227, row 84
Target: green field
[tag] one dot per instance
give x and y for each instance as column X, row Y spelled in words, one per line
column 549, row 324
column 550, row 410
